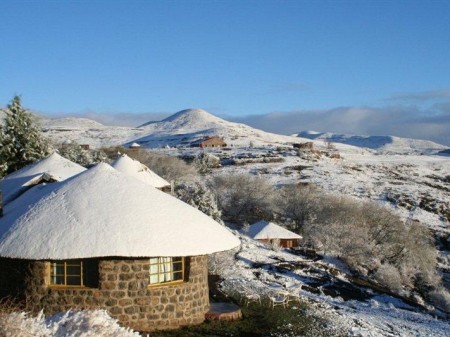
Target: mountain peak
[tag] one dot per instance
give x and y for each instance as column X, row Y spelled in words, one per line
column 190, row 114
column 189, row 119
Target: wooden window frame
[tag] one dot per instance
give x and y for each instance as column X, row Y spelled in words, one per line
column 65, row 264
column 161, row 273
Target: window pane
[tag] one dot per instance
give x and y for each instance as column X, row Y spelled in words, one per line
column 73, row 280
column 154, row 279
column 177, row 266
column 177, row 276
column 166, row 269
column 70, row 273
column 58, row 269
column 73, row 270
column 57, row 280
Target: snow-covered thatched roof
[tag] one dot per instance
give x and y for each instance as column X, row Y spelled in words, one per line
column 102, row 212
column 269, row 230
column 53, row 167
column 139, row 171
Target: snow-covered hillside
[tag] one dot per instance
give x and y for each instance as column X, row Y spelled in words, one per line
column 180, row 129
column 188, row 125
column 382, row 144
column 87, row 131
column 416, row 186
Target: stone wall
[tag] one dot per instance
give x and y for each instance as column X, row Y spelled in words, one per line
column 123, row 291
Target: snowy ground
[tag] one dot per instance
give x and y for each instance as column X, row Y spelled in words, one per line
column 95, row 323
column 373, row 314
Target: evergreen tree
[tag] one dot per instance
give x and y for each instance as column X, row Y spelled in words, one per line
column 21, row 142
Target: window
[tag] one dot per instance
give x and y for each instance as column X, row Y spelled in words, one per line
column 166, row 270
column 74, row 273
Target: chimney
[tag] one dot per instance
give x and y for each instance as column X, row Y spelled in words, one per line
column 1, row 204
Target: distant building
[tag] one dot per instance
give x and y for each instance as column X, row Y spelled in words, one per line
column 209, row 142
column 304, row 146
column 135, row 146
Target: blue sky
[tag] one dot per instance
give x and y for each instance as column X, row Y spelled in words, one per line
column 232, row 58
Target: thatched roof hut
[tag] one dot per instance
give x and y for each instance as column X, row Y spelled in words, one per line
column 270, row 232
column 104, row 239
column 136, row 169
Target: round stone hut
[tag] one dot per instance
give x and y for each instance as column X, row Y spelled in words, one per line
column 102, row 239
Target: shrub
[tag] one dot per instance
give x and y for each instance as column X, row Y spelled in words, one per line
column 205, row 162
column 389, row 276
column 198, row 195
column 244, row 198
column 80, row 155
column 441, row 298
column 371, row 239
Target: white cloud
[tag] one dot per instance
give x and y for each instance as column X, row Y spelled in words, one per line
column 411, row 122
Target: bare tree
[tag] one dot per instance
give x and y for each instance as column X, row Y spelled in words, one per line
column 299, row 203
column 244, row 198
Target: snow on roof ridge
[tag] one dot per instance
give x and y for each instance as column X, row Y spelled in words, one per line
column 103, row 212
column 53, row 165
column 267, row 230
column 136, row 169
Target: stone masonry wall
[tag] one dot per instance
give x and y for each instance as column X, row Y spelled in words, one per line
column 124, row 292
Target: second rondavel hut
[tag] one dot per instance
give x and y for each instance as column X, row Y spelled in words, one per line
column 102, row 239
column 269, row 232
column 136, row 169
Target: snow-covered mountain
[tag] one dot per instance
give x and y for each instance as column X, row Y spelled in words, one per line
column 191, row 124
column 186, row 126
column 180, row 129
column 382, row 144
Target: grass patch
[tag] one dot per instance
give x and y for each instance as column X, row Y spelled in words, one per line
column 258, row 321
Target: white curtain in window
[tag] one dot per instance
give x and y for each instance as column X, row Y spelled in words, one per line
column 55, row 269
column 166, row 264
column 154, row 272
